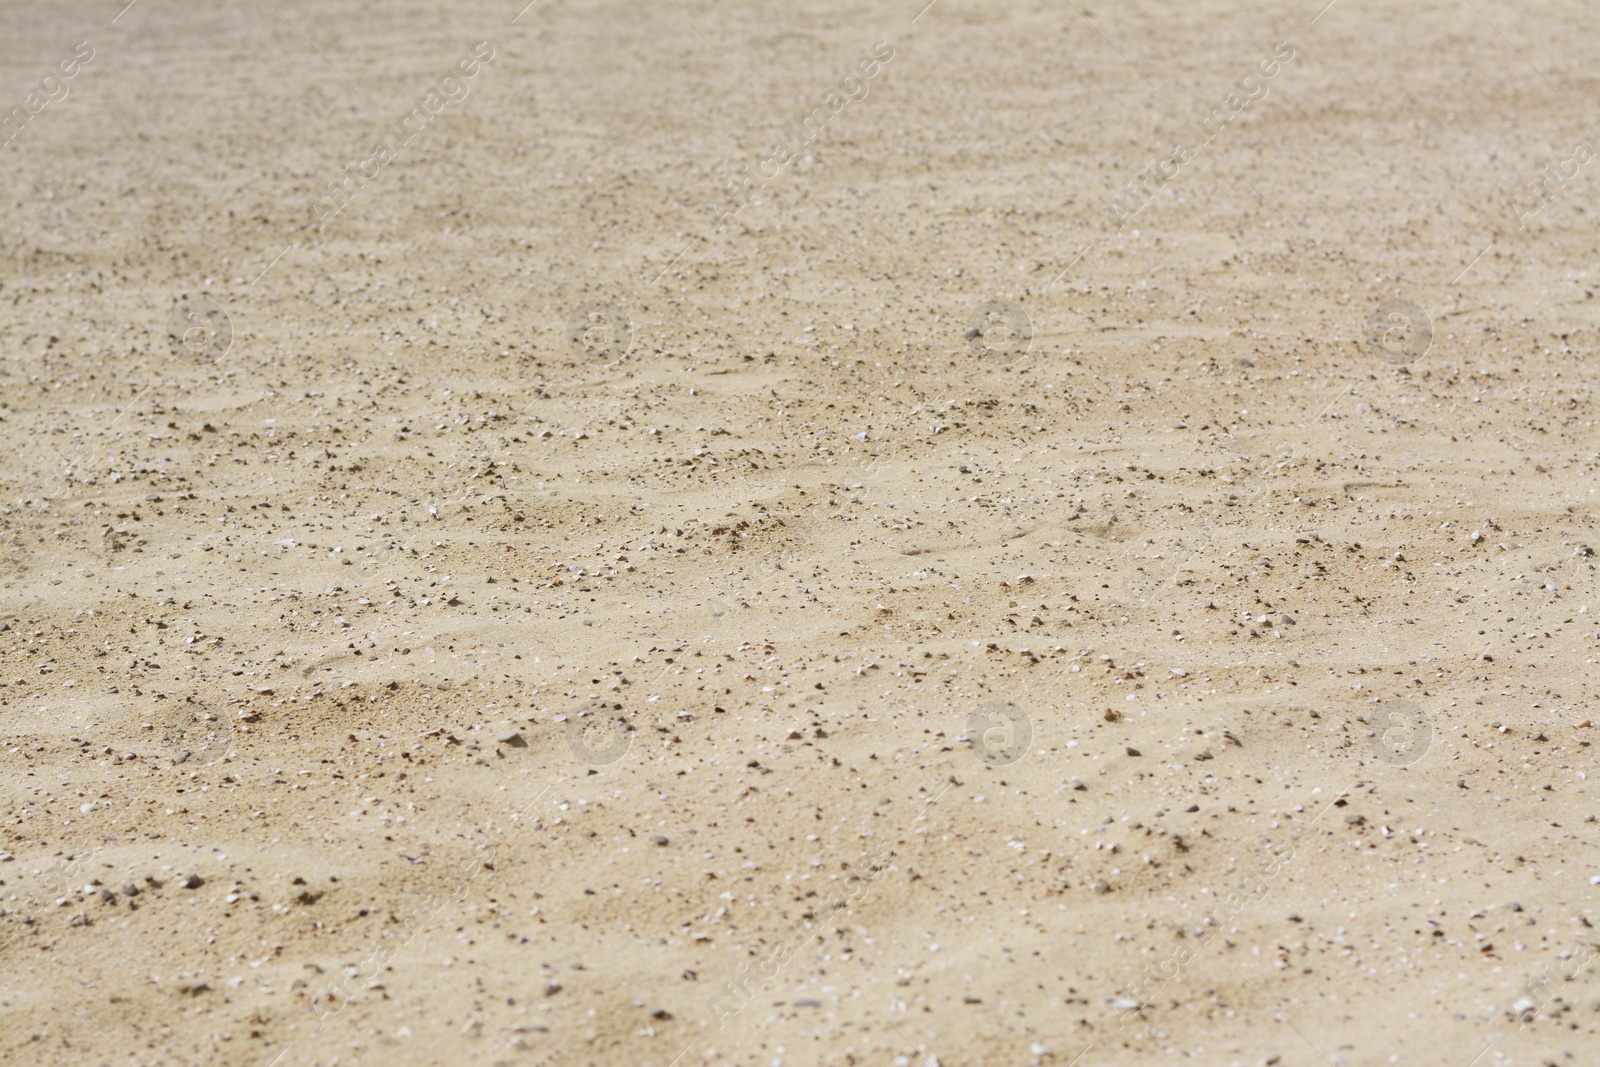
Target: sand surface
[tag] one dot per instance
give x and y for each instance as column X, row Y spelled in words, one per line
column 931, row 607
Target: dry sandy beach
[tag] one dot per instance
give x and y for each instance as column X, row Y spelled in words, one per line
column 672, row 533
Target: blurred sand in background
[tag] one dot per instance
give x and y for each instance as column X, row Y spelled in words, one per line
column 671, row 548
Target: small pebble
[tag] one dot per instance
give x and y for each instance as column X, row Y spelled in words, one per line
column 659, row 839
column 192, row 881
column 512, row 738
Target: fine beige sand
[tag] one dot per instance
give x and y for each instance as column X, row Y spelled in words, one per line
column 736, row 537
